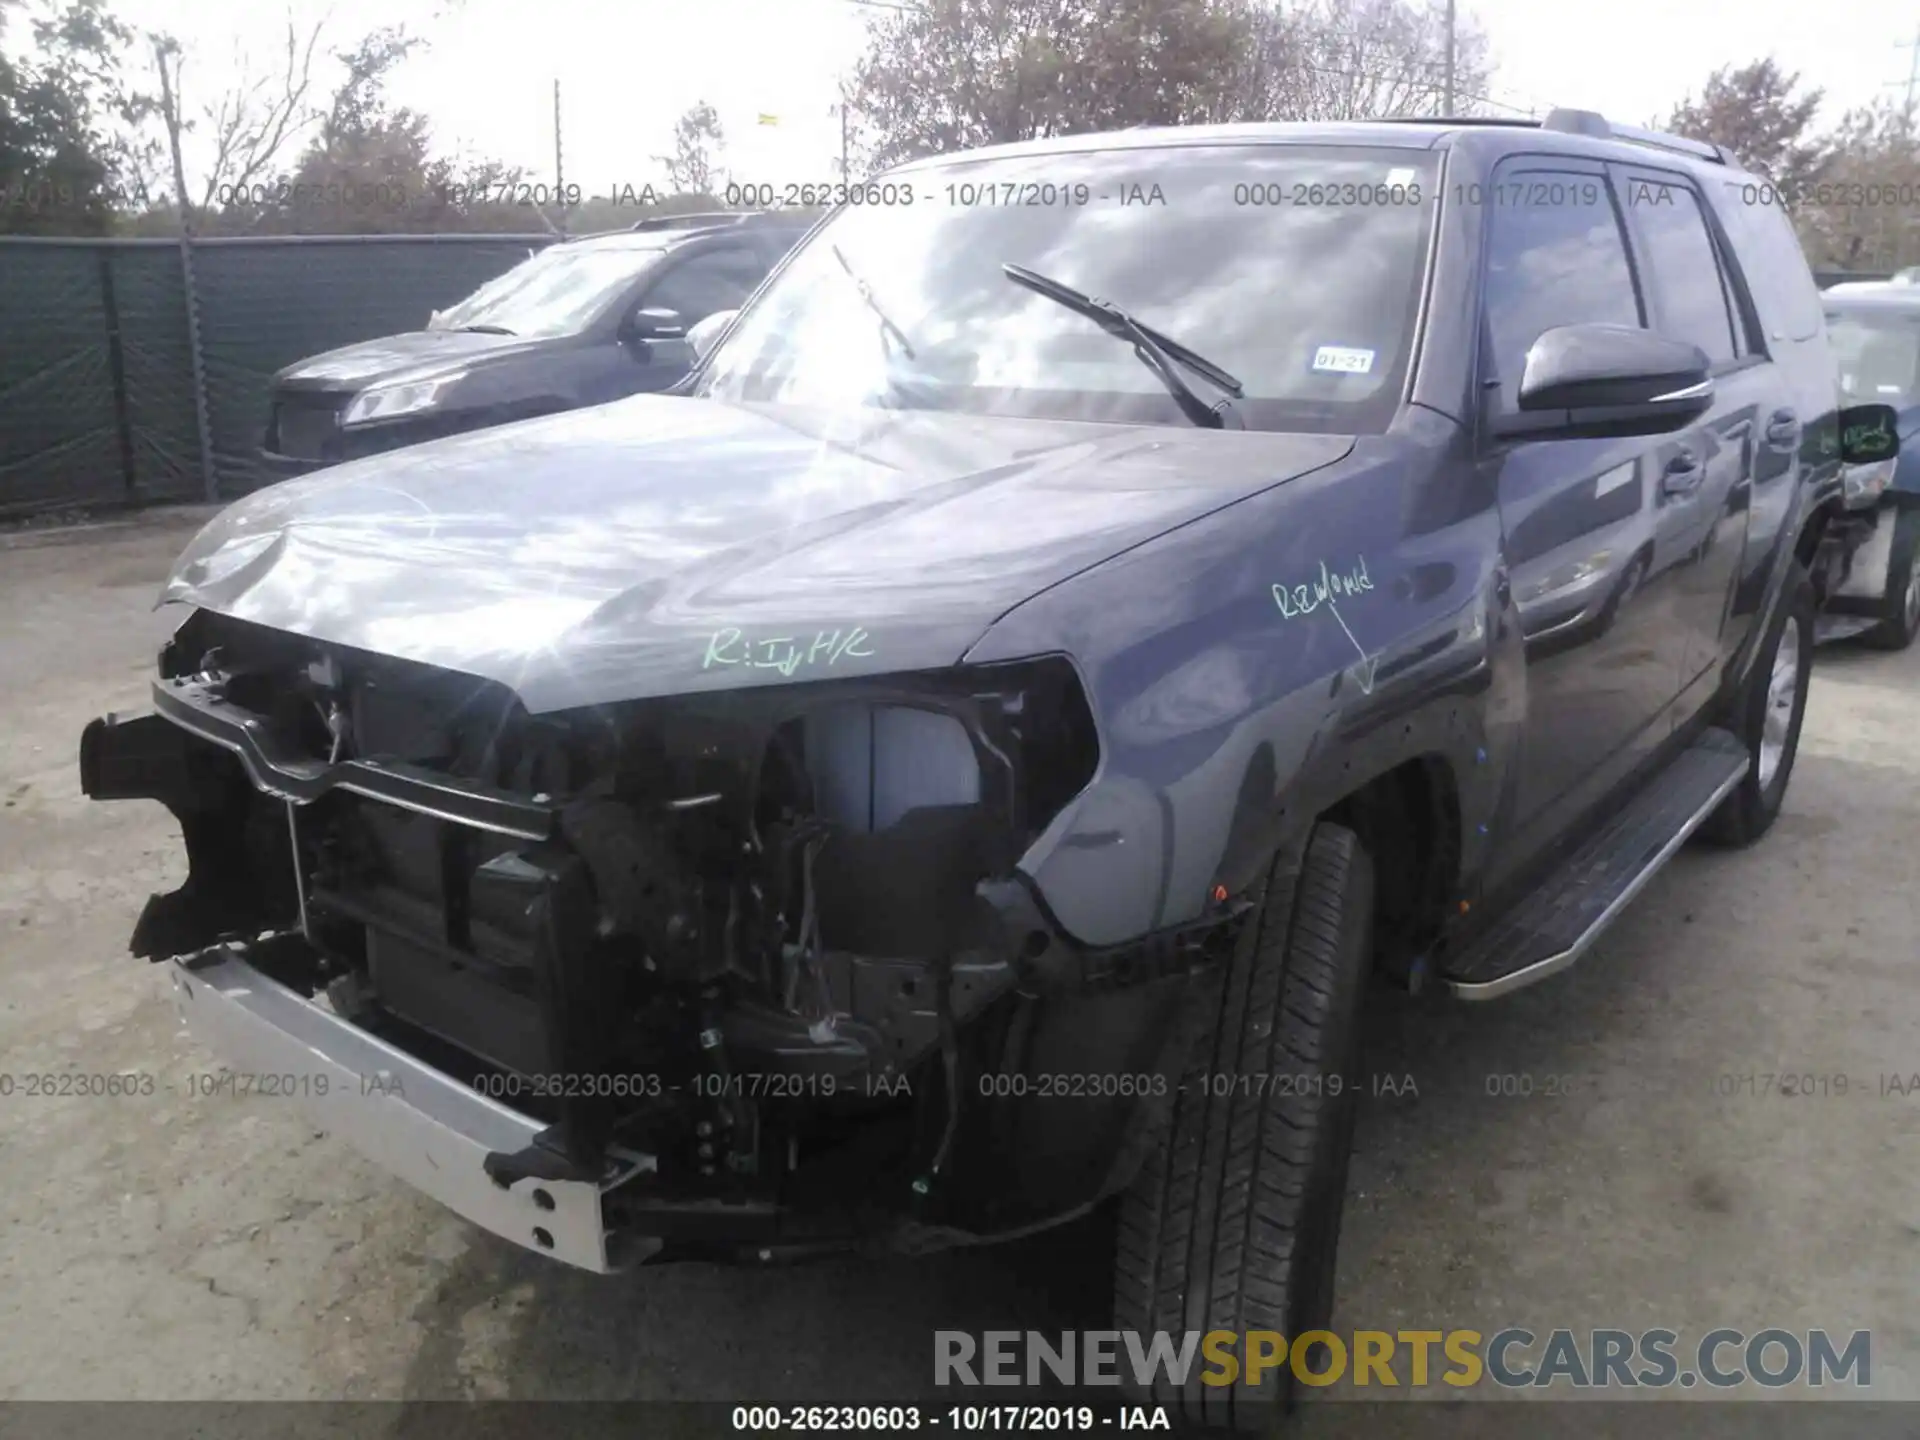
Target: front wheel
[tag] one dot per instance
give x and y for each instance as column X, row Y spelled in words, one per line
column 1234, row 1221
column 1767, row 714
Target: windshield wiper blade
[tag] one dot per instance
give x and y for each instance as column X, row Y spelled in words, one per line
column 1160, row 353
column 482, row 330
column 887, row 328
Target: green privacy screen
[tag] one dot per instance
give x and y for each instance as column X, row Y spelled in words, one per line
column 97, row 392
column 58, row 443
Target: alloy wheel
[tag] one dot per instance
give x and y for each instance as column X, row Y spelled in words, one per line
column 1783, row 690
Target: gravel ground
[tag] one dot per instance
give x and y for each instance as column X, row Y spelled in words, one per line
column 169, row 1247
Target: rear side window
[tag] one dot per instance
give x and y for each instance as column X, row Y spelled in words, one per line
column 1770, row 257
column 1683, row 273
column 1555, row 256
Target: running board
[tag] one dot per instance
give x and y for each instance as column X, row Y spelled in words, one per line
column 1555, row 925
column 1828, row 627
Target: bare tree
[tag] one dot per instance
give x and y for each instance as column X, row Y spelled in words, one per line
column 1363, row 59
column 370, row 168
column 251, row 124
column 693, row 168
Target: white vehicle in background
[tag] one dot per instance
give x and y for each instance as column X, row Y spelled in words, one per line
column 1874, row 327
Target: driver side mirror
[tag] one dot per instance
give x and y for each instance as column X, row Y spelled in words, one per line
column 705, row 332
column 654, row 322
column 1599, row 381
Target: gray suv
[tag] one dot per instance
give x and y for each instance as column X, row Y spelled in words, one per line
column 1103, row 604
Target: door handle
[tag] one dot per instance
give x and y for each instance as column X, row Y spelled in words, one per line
column 1682, row 474
column 1783, row 431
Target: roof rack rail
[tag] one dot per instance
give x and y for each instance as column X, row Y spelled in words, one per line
column 1581, row 122
column 700, row 220
column 1591, row 122
column 1523, row 120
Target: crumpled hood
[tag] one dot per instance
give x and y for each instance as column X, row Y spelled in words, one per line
column 398, row 359
column 662, row 545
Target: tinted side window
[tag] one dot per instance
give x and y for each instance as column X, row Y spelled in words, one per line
column 1555, row 256
column 1682, row 270
column 1770, row 257
column 704, row 283
column 775, row 245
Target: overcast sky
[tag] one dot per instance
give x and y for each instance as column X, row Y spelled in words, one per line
column 628, row 68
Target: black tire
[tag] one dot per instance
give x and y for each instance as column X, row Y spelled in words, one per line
column 1749, row 811
column 1234, row 1222
column 1900, row 619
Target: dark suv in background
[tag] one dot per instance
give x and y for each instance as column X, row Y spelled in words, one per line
column 578, row 323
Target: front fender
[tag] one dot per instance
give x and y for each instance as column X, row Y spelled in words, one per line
column 1236, row 701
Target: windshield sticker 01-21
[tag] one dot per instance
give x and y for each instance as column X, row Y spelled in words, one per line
column 1343, row 360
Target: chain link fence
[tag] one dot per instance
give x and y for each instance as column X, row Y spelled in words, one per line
column 134, row 371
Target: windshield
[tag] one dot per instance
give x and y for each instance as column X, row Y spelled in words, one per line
column 1296, row 270
column 1879, row 354
column 556, row 292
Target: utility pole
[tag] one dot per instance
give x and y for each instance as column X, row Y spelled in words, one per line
column 559, row 169
column 1447, row 95
column 845, row 133
column 170, row 112
column 1913, row 81
column 1912, row 85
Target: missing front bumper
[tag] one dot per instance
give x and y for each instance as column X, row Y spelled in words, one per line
column 460, row 938
column 425, row 1127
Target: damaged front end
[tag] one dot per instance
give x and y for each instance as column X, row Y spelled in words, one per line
column 732, row 975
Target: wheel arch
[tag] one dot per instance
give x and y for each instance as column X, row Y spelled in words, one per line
column 1418, row 780
column 1807, row 540
column 1409, row 813
column 1408, row 818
